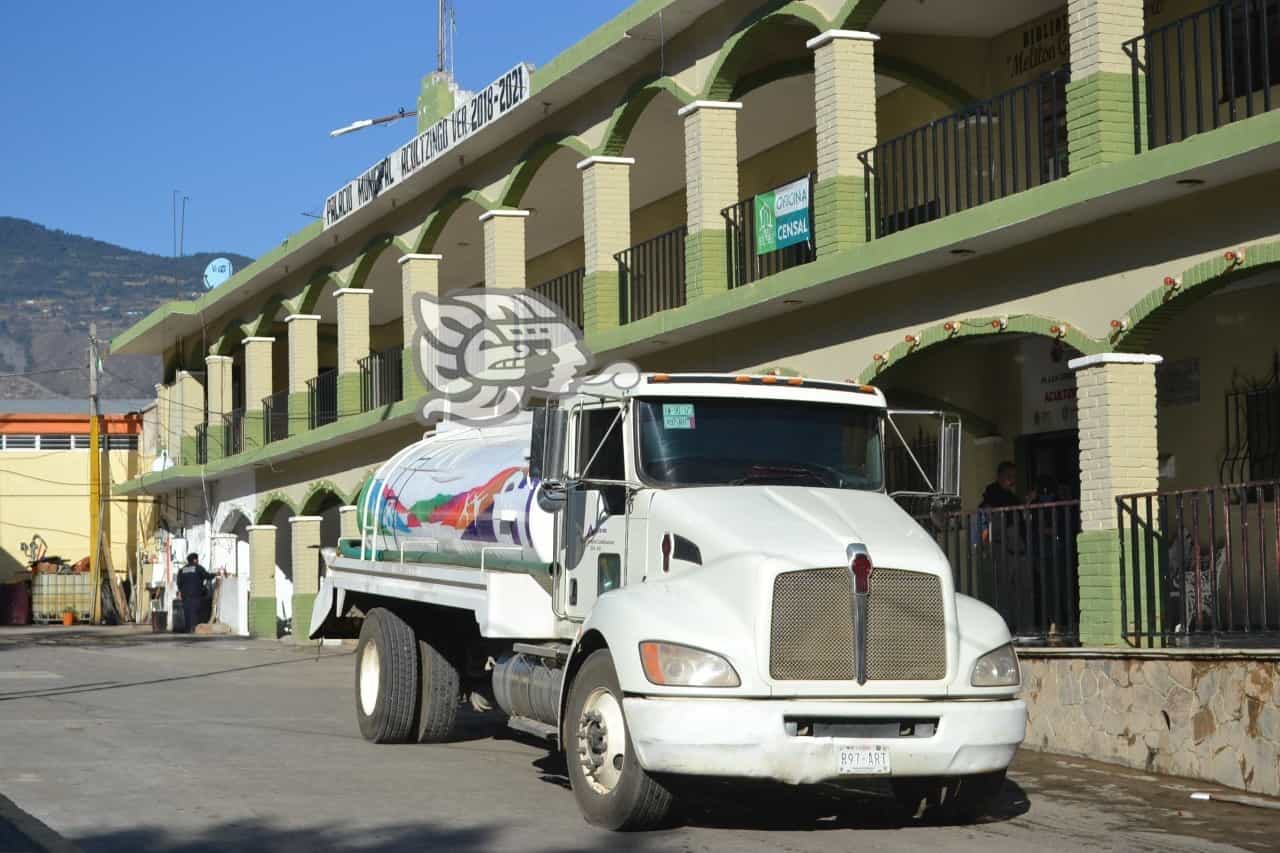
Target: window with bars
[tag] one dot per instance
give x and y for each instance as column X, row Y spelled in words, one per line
column 1251, row 45
column 62, row 441
column 1253, row 430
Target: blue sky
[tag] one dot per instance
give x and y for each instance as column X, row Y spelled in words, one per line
column 107, row 107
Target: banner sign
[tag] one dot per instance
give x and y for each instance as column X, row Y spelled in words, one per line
column 782, row 217
column 482, row 109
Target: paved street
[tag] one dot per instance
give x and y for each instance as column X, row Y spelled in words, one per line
column 121, row 741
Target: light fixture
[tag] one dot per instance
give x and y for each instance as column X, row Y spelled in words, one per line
column 1000, row 324
column 962, row 252
column 1189, row 182
column 793, row 302
column 1118, row 326
column 463, row 244
column 370, row 122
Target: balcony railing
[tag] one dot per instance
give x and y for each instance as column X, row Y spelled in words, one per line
column 651, row 276
column 275, row 417
column 233, row 429
column 1204, row 70
column 381, row 379
column 744, row 242
column 322, row 399
column 202, row 444
column 566, row 292
column 991, row 149
column 1021, row 560
column 1201, row 566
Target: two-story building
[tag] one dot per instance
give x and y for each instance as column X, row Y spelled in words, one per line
column 1055, row 218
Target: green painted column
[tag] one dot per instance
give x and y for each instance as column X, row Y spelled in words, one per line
column 1100, row 110
column 844, row 78
column 262, row 581
column 419, row 273
column 306, row 572
column 1116, row 394
column 606, row 230
column 711, row 185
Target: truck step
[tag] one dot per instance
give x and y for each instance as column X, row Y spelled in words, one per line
column 555, row 651
column 535, row 728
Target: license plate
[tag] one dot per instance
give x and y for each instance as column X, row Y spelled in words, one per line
column 862, row 760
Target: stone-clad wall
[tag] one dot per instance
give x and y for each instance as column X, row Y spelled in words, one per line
column 1202, row 715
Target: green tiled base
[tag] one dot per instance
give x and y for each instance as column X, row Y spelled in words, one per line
column 299, row 412
column 262, row 618
column 839, row 211
column 600, row 301
column 706, row 272
column 348, row 394
column 302, row 604
column 1102, row 621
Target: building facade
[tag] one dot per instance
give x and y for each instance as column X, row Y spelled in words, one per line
column 1052, row 218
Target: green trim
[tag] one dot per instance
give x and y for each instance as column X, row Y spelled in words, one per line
column 919, row 77
column 262, row 617
column 369, row 256
column 303, row 604
column 857, row 14
column 271, row 503
column 600, row 292
column 632, row 106
column 348, row 394
column 763, row 24
column 839, row 212
column 1152, row 313
column 1100, row 120
column 1098, row 555
column 748, row 83
column 436, row 221
column 706, row 269
column 206, row 302
column 520, row 177
column 1161, row 164
column 316, row 494
column 1027, row 324
column 299, row 412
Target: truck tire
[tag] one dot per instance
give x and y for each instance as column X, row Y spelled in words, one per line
column 949, row 799
column 441, row 692
column 387, row 678
column 612, row 789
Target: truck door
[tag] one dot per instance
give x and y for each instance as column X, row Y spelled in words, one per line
column 595, row 513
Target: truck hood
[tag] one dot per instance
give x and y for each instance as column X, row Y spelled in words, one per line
column 794, row 525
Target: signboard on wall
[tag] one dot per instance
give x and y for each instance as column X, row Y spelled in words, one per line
column 1048, row 387
column 782, row 217
column 481, row 110
column 1037, row 47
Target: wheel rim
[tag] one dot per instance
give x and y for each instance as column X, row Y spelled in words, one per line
column 602, row 740
column 370, row 675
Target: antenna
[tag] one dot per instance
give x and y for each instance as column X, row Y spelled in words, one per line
column 446, row 22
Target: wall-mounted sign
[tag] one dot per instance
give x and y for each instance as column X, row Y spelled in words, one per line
column 1036, row 47
column 782, row 217
column 1048, row 387
column 218, row 271
column 482, row 109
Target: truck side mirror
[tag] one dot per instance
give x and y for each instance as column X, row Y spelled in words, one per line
column 547, row 444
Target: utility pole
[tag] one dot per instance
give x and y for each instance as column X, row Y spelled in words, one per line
column 95, row 479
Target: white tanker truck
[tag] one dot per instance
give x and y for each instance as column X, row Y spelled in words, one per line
column 699, row 576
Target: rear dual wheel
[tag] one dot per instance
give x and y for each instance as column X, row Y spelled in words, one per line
column 406, row 689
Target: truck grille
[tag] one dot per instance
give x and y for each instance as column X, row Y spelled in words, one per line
column 811, row 637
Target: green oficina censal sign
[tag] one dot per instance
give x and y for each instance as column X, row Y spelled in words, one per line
column 782, row 217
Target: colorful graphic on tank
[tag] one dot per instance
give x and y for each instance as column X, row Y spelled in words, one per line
column 471, row 512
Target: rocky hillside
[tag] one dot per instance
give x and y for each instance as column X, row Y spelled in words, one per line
column 52, row 284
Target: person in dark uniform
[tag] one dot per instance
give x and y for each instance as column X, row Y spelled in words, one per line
column 193, row 591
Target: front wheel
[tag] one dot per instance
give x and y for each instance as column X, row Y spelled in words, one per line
column 951, row 799
column 612, row 789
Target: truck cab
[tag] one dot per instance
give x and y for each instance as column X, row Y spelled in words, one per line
column 727, row 591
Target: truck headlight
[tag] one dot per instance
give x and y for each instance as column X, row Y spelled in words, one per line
column 998, row 668
column 673, row 665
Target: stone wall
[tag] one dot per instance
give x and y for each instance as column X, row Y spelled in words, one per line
column 1206, row 714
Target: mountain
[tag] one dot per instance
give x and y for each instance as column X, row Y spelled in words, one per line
column 52, row 284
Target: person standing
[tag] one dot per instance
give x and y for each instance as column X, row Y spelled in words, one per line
column 193, row 591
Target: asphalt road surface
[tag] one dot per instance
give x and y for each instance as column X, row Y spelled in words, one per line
column 120, row 741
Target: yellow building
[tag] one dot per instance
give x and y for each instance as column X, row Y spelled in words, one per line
column 44, row 484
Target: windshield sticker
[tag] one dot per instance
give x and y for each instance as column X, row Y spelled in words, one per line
column 677, row 415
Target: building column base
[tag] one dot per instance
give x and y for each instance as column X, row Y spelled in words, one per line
column 839, row 211
column 705, row 270
column 303, row 602
column 262, row 618
column 1100, row 120
column 349, row 395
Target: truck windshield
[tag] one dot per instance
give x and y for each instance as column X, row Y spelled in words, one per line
column 718, row 441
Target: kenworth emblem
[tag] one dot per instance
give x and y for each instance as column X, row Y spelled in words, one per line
column 860, row 569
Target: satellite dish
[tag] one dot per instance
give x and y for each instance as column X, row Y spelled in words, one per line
column 218, row 271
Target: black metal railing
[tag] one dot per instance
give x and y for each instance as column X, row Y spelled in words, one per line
column 651, row 276
column 1021, row 560
column 994, row 148
column 202, row 443
column 566, row 292
column 233, row 432
column 322, row 399
column 1204, row 70
column 275, row 417
column 381, row 379
column 1201, row 566
column 745, row 262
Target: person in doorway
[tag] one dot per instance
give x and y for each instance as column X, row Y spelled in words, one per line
column 1000, row 493
column 193, row 590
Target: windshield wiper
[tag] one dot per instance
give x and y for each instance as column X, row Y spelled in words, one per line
column 791, row 471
